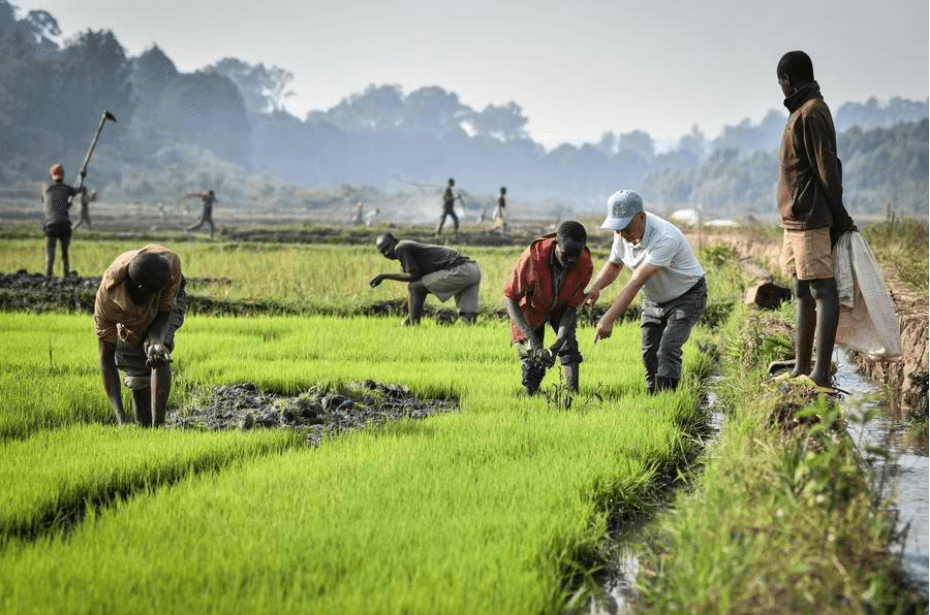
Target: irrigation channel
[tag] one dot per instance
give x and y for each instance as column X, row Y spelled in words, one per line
column 906, row 474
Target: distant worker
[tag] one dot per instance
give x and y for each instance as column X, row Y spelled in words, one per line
column 809, row 195
column 500, row 213
column 371, row 215
column 140, row 304
column 208, row 198
column 448, row 207
column 547, row 285
column 430, row 269
column 671, row 278
column 56, row 198
column 86, row 200
column 357, row 216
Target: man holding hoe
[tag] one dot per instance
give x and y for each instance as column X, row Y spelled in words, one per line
column 140, row 304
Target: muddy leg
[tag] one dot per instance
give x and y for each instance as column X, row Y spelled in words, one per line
column 571, row 372
column 666, row 384
column 142, row 400
column 65, row 242
column 828, row 313
column 806, row 322
column 161, row 383
column 416, row 297
column 49, row 255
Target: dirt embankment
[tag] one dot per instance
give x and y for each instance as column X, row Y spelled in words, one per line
column 907, row 377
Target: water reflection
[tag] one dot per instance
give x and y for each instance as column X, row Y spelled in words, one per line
column 907, row 473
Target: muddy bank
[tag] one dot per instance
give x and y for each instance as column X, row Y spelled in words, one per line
column 320, row 411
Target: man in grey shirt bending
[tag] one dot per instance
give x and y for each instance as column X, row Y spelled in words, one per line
column 431, row 269
column 672, row 280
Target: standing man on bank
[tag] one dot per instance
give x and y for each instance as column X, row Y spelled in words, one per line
column 56, row 200
column 810, row 199
column 448, row 207
column 139, row 305
column 547, row 285
column 671, row 278
column 432, row 269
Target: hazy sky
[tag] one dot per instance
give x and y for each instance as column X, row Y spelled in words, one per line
column 576, row 68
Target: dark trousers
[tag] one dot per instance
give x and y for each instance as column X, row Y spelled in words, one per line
column 665, row 329
column 455, row 219
column 568, row 355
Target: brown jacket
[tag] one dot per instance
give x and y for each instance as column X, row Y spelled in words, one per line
column 810, row 186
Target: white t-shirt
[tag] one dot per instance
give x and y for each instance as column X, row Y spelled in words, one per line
column 664, row 246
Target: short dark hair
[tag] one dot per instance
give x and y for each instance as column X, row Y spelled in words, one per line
column 571, row 231
column 150, row 271
column 797, row 66
column 384, row 238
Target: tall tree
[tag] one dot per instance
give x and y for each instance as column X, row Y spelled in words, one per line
column 264, row 89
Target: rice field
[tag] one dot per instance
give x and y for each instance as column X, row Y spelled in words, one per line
column 500, row 507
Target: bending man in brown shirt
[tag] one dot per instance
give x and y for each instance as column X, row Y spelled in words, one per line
column 140, row 304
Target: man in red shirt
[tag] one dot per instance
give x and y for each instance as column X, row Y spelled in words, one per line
column 547, row 285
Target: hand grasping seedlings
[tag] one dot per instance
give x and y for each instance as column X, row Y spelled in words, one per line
column 157, row 355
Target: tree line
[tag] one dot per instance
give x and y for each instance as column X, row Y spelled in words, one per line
column 225, row 126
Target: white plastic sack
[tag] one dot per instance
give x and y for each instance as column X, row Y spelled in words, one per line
column 867, row 319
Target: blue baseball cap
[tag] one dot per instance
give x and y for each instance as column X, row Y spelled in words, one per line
column 621, row 207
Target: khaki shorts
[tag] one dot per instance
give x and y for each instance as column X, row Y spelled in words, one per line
column 461, row 282
column 808, row 255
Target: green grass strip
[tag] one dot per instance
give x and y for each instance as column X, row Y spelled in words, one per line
column 49, row 479
column 474, row 512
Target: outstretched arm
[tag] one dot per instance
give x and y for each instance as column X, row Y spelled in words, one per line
column 110, row 376
column 397, row 277
column 605, row 278
column 640, row 275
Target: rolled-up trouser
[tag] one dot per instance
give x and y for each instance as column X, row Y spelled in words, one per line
column 131, row 358
column 665, row 329
column 568, row 354
column 461, row 282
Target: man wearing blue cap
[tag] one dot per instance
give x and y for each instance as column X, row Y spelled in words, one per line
column 671, row 278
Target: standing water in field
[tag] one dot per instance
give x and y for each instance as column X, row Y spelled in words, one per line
column 906, row 469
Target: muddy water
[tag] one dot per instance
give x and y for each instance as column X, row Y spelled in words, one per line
column 907, row 482
column 907, row 472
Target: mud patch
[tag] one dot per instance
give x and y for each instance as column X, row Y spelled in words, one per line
column 320, row 411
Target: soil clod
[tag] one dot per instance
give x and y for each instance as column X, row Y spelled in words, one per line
column 321, row 411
